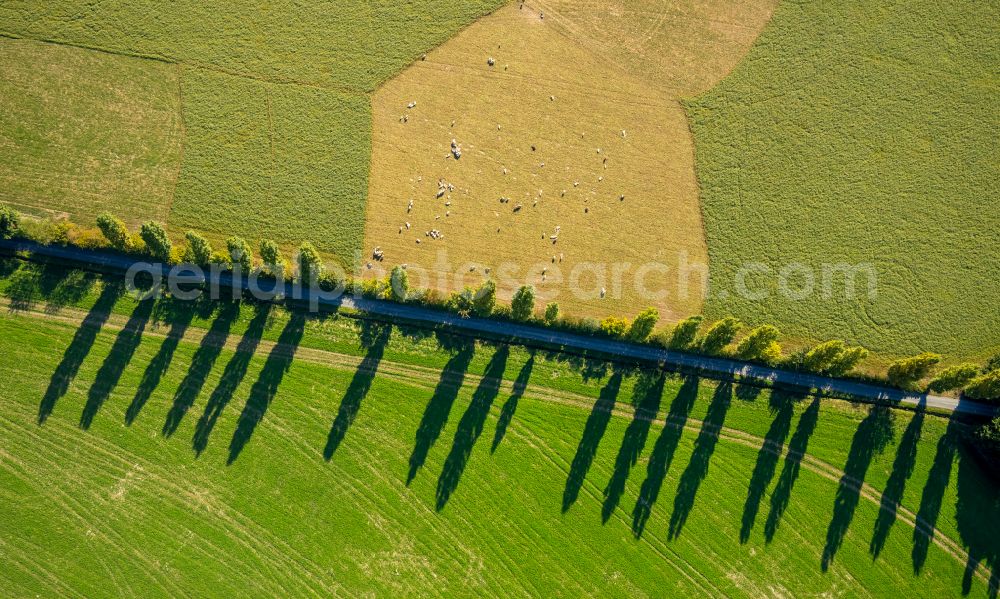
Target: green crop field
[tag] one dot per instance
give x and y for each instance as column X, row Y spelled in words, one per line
column 213, row 448
column 84, row 131
column 862, row 132
column 235, row 119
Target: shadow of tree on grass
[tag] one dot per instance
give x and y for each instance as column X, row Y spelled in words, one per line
column 232, row 376
column 374, row 337
column 647, row 396
column 783, row 407
column 663, row 451
column 201, row 365
column 697, row 468
column 892, row 495
column 118, row 358
column 510, row 406
column 797, row 448
column 179, row 314
column 593, row 432
column 978, row 519
column 932, row 495
column 871, row 438
column 264, row 389
column 470, row 427
column 438, row 408
column 79, row 347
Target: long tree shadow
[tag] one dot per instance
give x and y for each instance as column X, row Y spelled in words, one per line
column 892, row 495
column 871, row 438
column 437, row 410
column 663, row 453
column 932, row 495
column 61, row 287
column 593, row 432
column 24, row 288
column 510, row 406
column 374, row 336
column 179, row 314
column 233, row 374
column 118, row 358
column 264, row 389
column 79, row 347
column 978, row 518
column 647, row 396
column 470, row 427
column 201, row 365
column 697, row 468
column 797, row 448
column 783, row 407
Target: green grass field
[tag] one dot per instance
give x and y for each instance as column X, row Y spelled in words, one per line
column 862, row 132
column 184, row 451
column 84, row 131
column 267, row 110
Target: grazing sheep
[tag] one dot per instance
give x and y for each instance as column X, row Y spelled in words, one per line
column 490, row 61
column 604, row 292
column 412, row 104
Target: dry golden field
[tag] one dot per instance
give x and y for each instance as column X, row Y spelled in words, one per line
column 564, row 124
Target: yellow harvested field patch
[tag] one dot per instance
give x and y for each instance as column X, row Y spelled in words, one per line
column 576, row 164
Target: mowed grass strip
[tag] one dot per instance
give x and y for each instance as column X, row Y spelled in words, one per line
column 273, row 161
column 353, row 45
column 83, row 131
column 861, row 133
column 164, row 513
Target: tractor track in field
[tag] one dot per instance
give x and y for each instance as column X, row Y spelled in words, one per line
column 428, row 378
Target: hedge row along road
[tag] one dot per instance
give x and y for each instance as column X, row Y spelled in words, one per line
column 720, row 368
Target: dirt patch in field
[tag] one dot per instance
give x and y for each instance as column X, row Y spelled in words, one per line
column 572, row 166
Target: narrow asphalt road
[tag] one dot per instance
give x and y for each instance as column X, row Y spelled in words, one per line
column 722, row 368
